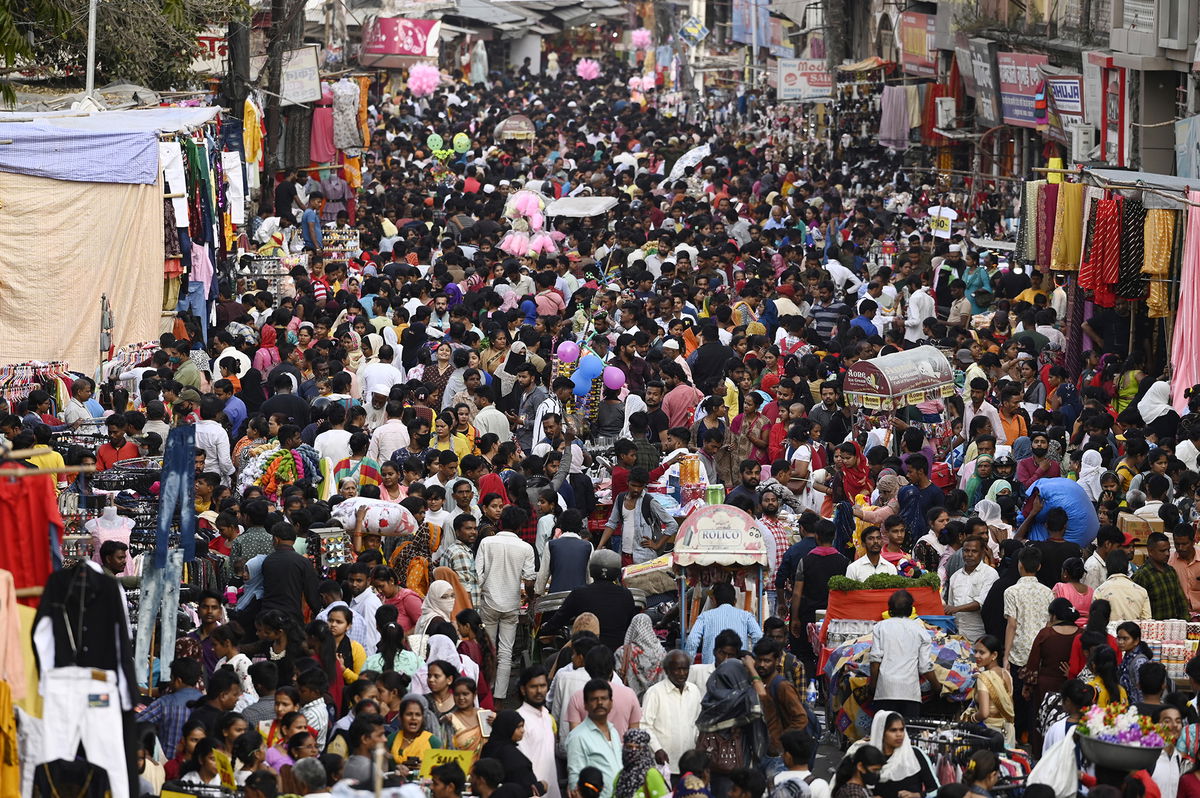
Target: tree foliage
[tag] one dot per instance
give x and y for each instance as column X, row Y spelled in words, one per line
column 148, row 42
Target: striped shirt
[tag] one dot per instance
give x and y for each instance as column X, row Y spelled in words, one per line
column 826, row 317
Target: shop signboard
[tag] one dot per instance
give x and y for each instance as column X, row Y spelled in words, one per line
column 803, row 80
column 983, row 67
column 916, row 33
column 395, row 41
column 301, row 81
column 1020, row 75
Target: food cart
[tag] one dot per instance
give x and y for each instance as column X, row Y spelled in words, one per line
column 517, row 127
column 887, row 383
column 719, row 543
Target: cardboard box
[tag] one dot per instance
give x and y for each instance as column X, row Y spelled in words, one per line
column 1139, row 527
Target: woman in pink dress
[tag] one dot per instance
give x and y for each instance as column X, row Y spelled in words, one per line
column 1072, row 588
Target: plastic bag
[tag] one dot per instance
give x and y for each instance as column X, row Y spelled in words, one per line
column 1058, row 768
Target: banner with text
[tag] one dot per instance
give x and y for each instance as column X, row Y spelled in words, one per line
column 1020, row 76
column 803, row 80
column 915, row 33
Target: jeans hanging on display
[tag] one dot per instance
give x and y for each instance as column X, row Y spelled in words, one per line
column 159, row 600
column 177, row 490
column 83, row 705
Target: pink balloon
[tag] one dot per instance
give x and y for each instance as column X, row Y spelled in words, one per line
column 614, row 378
column 568, row 351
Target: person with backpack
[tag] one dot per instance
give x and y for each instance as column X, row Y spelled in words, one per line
column 783, row 708
column 642, row 525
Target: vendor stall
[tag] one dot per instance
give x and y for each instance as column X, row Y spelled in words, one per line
column 720, row 543
column 917, row 378
column 517, row 127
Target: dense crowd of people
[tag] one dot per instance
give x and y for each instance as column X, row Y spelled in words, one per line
column 426, row 374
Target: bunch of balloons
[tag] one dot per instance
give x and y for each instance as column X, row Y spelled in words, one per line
column 590, row 367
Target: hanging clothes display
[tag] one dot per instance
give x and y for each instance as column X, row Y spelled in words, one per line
column 1130, row 283
column 894, row 120
column 321, row 146
column 297, row 130
column 253, row 141
column 1047, row 210
column 82, row 641
column 1068, row 228
column 347, row 135
column 31, row 527
column 1157, row 263
column 1185, row 340
column 1026, row 251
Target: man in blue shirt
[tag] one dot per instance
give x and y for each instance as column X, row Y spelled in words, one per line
column 310, row 222
column 864, row 320
column 170, row 711
column 724, row 616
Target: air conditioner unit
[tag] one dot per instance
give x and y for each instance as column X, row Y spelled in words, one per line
column 1083, row 141
column 947, row 112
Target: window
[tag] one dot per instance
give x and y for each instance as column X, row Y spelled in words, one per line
column 1177, row 23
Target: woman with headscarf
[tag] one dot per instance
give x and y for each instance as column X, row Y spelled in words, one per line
column 1091, row 468
column 462, row 599
column 508, row 727
column 989, row 512
column 852, row 477
column 639, row 778
column 731, row 713
column 1160, row 419
column 352, row 342
column 981, row 479
column 886, row 502
column 584, row 622
column 251, row 392
column 437, row 606
column 639, row 660
column 267, row 356
column 252, row 590
column 907, row 769
column 442, row 648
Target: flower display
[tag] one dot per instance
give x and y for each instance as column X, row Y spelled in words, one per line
column 1122, row 725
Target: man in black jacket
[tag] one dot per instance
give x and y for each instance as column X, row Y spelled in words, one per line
column 612, row 604
column 288, row 578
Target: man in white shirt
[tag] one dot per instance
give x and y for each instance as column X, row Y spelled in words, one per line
column 538, row 742
column 213, row 440
column 968, row 588
column 365, row 601
column 334, row 443
column 872, row 562
column 489, row 419
column 378, row 378
column 391, row 435
column 977, row 405
column 504, row 564
column 76, row 412
column 1095, row 570
column 901, row 655
column 669, row 711
column 921, row 306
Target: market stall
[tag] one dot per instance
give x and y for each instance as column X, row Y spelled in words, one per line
column 719, row 543
column 890, row 383
column 517, row 127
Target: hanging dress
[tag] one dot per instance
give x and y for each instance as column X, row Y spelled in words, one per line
column 321, row 149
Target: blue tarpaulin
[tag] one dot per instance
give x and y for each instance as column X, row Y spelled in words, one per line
column 98, row 147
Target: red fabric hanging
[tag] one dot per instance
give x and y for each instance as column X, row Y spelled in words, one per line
column 28, row 517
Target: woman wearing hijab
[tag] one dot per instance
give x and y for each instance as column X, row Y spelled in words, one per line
column 267, row 356
column 442, row 648
column 1091, row 468
column 1160, row 419
column 907, row 770
column 989, row 512
column 981, row 479
column 352, row 342
column 886, row 503
column 462, row 599
column 639, row 660
column 508, row 727
column 639, row 778
column 252, row 591
column 438, row 605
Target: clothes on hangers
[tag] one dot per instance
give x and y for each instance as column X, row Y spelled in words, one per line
column 177, row 491
column 64, row 778
column 321, row 146
column 347, row 135
column 31, row 527
column 159, row 602
column 12, row 662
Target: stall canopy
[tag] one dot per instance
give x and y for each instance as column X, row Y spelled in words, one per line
column 579, row 207
column 900, row 379
column 65, row 145
column 719, row 534
column 516, row 127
